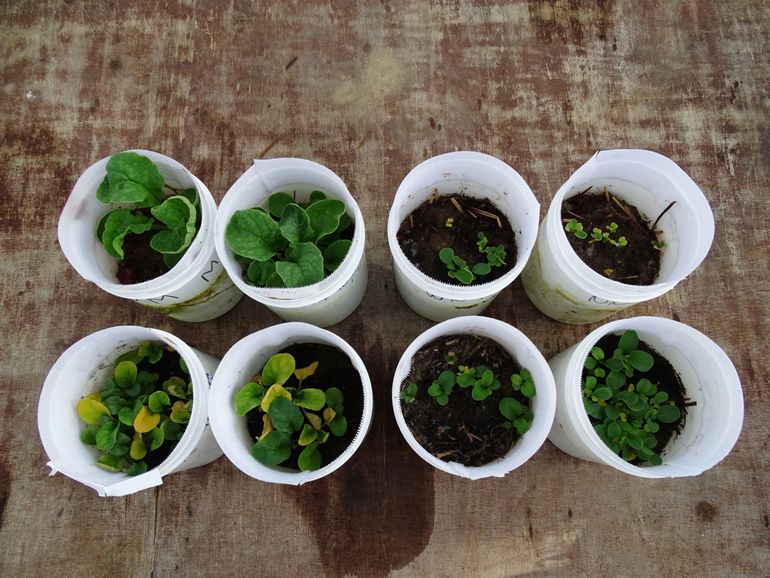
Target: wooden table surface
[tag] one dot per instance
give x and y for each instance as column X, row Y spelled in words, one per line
column 370, row 89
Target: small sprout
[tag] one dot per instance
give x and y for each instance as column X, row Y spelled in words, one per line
column 523, row 383
column 465, row 273
column 576, row 228
column 291, row 424
column 658, row 245
column 450, row 358
column 442, row 387
column 409, row 393
column 450, row 222
column 516, row 415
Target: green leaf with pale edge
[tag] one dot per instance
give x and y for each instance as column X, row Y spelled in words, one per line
column 132, row 178
column 310, row 458
column 304, row 267
column 335, row 253
column 109, row 463
column 294, row 221
column 310, row 398
column 278, row 369
column 125, row 373
column 158, row 401
column 272, row 449
column 325, row 216
column 178, row 214
column 116, row 224
column 248, row 397
column 253, row 234
column 308, row 435
column 286, row 416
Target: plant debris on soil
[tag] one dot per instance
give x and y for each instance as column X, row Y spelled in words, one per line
column 466, row 431
column 334, row 370
column 425, row 232
column 665, row 378
column 636, row 263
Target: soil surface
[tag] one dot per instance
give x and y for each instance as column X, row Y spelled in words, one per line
column 466, row 431
column 425, row 232
column 665, row 378
column 141, row 262
column 638, row 263
column 334, row 370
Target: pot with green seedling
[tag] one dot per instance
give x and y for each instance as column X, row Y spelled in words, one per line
column 140, row 226
column 291, row 403
column 626, row 227
column 126, row 406
column 460, row 230
column 473, row 397
column 648, row 396
column 292, row 237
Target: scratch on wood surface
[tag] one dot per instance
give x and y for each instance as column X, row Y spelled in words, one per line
column 268, row 148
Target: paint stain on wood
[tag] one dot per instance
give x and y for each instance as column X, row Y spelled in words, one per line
column 706, row 511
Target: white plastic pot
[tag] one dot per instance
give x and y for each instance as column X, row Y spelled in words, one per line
column 525, row 353
column 84, row 368
column 326, row 302
column 195, row 289
column 247, row 358
column 478, row 176
column 711, row 427
column 563, row 287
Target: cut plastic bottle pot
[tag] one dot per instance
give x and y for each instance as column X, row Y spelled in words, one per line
column 84, row 368
column 324, row 303
column 712, row 425
column 526, row 355
column 195, row 289
column 247, row 358
column 475, row 175
column 563, row 287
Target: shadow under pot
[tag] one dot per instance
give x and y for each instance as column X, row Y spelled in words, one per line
column 648, row 396
column 626, row 227
column 291, row 403
column 473, row 397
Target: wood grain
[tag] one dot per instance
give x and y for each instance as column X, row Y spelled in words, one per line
column 370, row 89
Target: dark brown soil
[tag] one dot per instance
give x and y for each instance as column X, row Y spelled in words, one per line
column 638, row 263
column 466, row 431
column 665, row 378
column 141, row 262
column 334, row 369
column 424, row 233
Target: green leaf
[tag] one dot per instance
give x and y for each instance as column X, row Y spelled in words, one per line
column 597, row 353
column 253, row 234
column 613, row 430
column 335, row 254
column 310, row 398
column 294, row 222
column 305, row 265
column 114, row 227
column 132, row 178
column 272, row 449
column 603, row 393
column 248, row 397
column 157, row 437
column 172, row 431
column 158, row 401
column 480, row 393
column 109, row 463
column 125, row 373
column 511, row 408
column 136, row 469
column 259, row 273
column 316, row 196
column 645, row 387
column 310, row 458
column 641, row 360
column 481, row 269
column 668, row 413
column 277, row 202
column 278, row 369
column 334, row 399
column 178, row 214
column 615, row 379
column 126, row 416
column 612, row 412
column 307, row 435
column 88, row 435
column 660, row 397
column 180, row 412
column 629, row 341
column 463, row 275
column 521, row 425
column 325, row 216
column 339, row 425
column 107, row 435
column 286, row 416
column 446, row 255
column 175, row 386
column 528, row 389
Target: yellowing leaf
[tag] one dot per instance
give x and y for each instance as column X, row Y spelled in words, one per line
column 276, row 390
column 307, row 436
column 146, row 421
column 179, row 412
column 313, row 419
column 267, row 426
column 329, row 414
column 138, row 449
column 91, row 410
column 95, row 396
column 304, row 372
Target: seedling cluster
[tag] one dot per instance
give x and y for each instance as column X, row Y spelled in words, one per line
column 597, row 235
column 135, row 183
column 290, row 244
column 462, row 271
column 626, row 409
column 481, row 382
column 138, row 411
column 293, row 417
